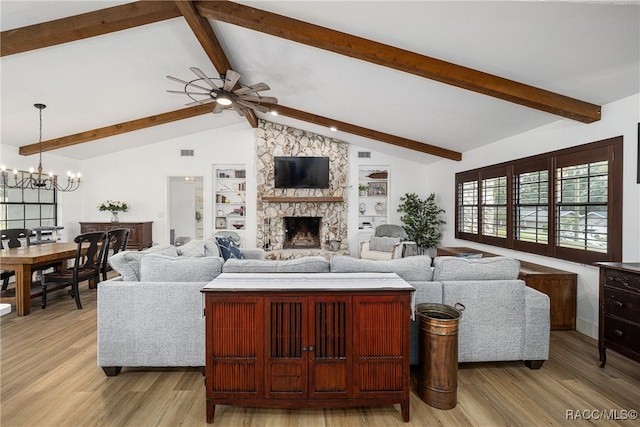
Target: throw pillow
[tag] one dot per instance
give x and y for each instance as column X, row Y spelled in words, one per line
column 383, row 244
column 193, row 248
column 228, row 248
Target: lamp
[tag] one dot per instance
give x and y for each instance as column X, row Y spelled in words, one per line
column 38, row 180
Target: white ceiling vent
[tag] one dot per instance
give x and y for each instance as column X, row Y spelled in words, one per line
column 364, row 154
column 186, row 153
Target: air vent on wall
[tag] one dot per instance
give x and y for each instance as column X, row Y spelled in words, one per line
column 364, row 154
column 186, row 153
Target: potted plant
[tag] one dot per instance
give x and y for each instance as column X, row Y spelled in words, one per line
column 422, row 220
column 362, row 188
column 114, row 207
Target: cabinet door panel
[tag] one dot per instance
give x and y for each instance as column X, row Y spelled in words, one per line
column 234, row 346
column 329, row 357
column 287, row 355
column 380, row 342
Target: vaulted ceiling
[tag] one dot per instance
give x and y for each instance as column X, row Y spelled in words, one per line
column 422, row 80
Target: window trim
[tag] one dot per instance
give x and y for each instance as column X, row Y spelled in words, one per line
column 613, row 147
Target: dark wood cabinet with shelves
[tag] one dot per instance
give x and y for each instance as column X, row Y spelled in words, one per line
column 619, row 322
column 140, row 235
column 560, row 285
column 306, row 347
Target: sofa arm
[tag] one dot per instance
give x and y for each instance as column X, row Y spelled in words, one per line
column 150, row 324
column 537, row 325
column 253, row 253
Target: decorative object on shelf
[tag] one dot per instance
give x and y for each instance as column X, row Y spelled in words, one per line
column 378, row 189
column 378, row 175
column 36, row 181
column 238, row 225
column 422, row 219
column 114, row 207
column 226, row 91
column 380, row 208
column 363, row 208
column 362, row 189
column 221, row 223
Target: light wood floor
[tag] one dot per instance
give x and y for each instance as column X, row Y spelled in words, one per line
column 49, row 377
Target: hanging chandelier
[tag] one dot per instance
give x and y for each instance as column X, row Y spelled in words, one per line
column 36, row 179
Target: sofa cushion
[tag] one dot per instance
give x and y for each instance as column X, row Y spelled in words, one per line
column 193, row 248
column 211, row 248
column 492, row 268
column 309, row 264
column 163, row 268
column 383, row 244
column 413, row 268
column 228, row 248
column 127, row 263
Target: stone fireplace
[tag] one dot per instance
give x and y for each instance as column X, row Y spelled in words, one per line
column 276, row 206
column 302, row 232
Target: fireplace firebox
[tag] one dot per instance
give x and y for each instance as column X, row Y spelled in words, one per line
column 302, row 232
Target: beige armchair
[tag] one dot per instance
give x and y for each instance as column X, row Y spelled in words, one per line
column 388, row 242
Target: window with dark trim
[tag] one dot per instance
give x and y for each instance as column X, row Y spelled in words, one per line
column 27, row 208
column 565, row 204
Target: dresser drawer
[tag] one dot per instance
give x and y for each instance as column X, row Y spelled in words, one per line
column 622, row 304
column 623, row 334
column 622, row 280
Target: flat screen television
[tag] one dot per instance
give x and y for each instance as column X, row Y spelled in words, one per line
column 301, row 172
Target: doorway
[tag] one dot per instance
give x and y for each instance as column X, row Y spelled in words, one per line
column 186, row 213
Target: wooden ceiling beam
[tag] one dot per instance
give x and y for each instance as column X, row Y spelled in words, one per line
column 209, row 42
column 112, row 130
column 367, row 133
column 399, row 59
column 85, row 25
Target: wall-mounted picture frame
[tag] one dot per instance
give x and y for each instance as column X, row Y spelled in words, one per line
column 221, row 223
column 377, row 189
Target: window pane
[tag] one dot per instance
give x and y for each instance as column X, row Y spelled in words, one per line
column 531, row 211
column 32, row 212
column 532, row 224
column 46, row 196
column 494, row 207
column 30, row 196
column 15, row 212
column 47, row 211
column 468, row 207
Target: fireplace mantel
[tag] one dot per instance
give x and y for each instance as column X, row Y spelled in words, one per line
column 303, row 199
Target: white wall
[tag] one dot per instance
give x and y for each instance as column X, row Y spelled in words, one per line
column 140, row 177
column 618, row 118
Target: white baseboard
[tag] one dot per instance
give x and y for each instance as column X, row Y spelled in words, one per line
column 587, row 328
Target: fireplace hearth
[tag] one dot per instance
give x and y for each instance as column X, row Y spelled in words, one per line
column 302, row 232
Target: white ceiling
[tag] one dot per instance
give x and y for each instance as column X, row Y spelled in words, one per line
column 586, row 50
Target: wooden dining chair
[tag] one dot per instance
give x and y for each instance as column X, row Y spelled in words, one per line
column 116, row 241
column 86, row 266
column 13, row 237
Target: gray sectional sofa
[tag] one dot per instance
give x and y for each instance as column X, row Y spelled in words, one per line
column 152, row 315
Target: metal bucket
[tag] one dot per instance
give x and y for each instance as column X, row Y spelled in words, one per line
column 438, row 382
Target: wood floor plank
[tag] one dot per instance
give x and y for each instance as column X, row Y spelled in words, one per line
column 49, row 377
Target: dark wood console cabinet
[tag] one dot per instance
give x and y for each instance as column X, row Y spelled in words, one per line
column 560, row 285
column 140, row 236
column 319, row 346
column 619, row 322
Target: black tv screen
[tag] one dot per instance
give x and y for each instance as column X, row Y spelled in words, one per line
column 301, row 172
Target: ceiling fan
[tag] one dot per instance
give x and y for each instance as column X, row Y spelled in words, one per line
column 227, row 92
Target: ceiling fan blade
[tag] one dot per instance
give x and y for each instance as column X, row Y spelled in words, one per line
column 240, row 110
column 218, row 109
column 198, row 72
column 202, row 102
column 258, row 107
column 253, row 88
column 182, row 92
column 186, row 83
column 230, row 80
column 259, row 99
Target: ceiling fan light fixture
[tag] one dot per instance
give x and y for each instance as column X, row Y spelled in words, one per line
column 223, row 99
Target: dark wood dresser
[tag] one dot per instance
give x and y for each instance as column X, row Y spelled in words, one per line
column 560, row 285
column 619, row 328
column 140, row 236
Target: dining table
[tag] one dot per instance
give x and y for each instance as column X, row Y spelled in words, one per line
column 25, row 260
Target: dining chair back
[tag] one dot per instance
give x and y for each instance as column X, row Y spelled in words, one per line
column 116, row 241
column 86, row 266
column 13, row 237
